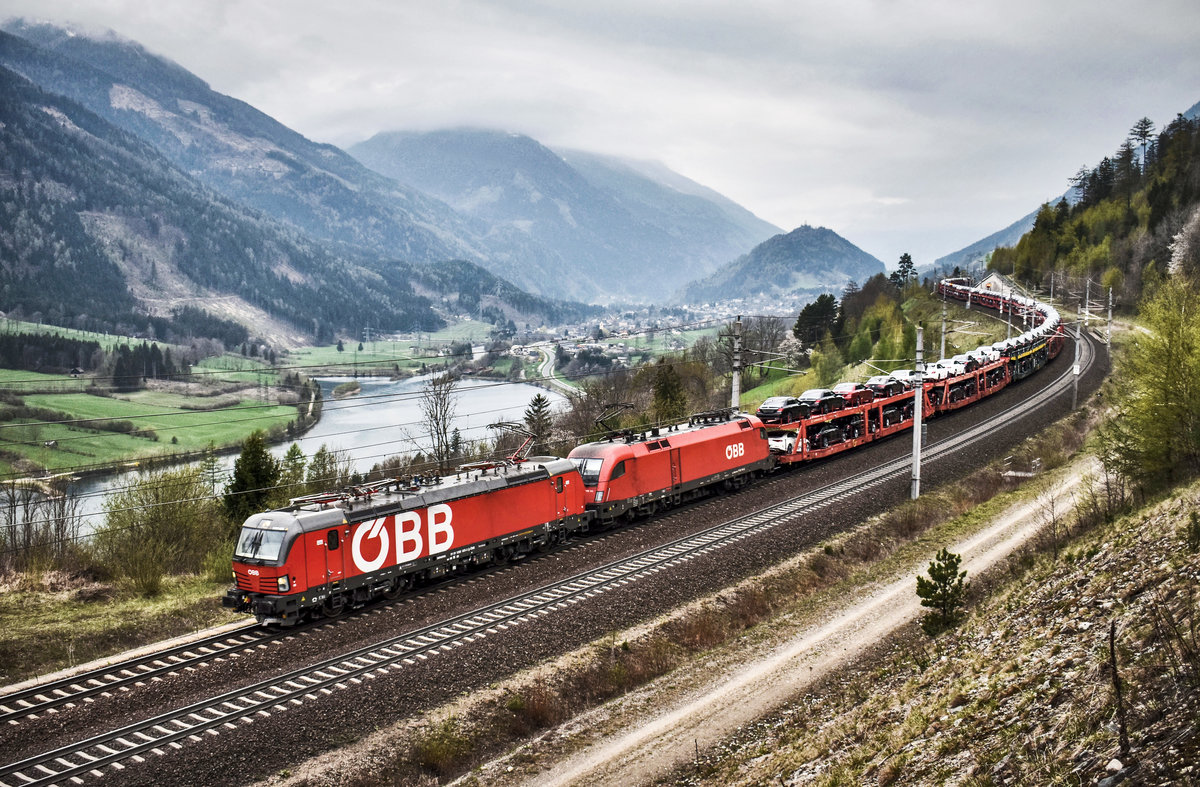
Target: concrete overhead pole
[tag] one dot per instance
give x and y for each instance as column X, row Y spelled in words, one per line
column 942, row 354
column 918, row 399
column 736, row 398
column 1075, row 370
column 1108, row 333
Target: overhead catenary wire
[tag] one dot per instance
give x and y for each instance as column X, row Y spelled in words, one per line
column 365, row 401
column 360, row 401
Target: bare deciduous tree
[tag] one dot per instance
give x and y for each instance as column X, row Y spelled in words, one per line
column 1050, row 514
column 437, row 405
column 39, row 527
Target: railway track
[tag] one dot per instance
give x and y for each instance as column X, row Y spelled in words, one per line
column 229, row 711
column 33, row 701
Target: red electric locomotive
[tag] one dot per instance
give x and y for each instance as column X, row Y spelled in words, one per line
column 634, row 474
column 324, row 553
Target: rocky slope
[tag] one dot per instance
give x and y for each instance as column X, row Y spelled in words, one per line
column 1023, row 692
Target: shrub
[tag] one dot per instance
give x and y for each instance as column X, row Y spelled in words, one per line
column 944, row 592
column 441, row 748
column 1191, row 532
column 165, row 523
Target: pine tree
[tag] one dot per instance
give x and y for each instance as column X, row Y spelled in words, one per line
column 670, row 400
column 291, row 474
column 328, row 470
column 210, row 468
column 905, row 272
column 816, row 319
column 538, row 419
column 944, row 592
column 255, row 476
column 1141, row 133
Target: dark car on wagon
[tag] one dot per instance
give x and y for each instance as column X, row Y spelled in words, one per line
column 826, row 436
column 781, row 410
column 822, row 400
column 884, row 385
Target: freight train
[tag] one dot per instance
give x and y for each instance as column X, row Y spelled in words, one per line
column 325, row 553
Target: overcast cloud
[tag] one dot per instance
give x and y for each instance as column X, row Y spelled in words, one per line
column 913, row 127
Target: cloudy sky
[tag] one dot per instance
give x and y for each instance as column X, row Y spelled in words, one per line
column 905, row 126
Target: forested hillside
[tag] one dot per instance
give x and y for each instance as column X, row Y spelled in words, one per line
column 1138, row 215
column 807, row 260
column 100, row 233
column 234, row 149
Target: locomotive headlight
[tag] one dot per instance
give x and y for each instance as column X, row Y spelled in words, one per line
column 599, row 497
column 284, row 585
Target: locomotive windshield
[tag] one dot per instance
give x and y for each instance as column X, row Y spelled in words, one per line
column 589, row 469
column 259, row 544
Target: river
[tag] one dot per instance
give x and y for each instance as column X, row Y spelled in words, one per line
column 382, row 420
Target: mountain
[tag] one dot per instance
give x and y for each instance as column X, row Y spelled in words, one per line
column 616, row 232
column 594, row 229
column 101, row 232
column 805, row 262
column 236, row 150
column 291, row 233
column 716, row 228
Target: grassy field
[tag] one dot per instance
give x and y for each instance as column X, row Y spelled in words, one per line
column 375, row 354
column 20, row 382
column 472, row 331
column 105, row 340
column 166, row 423
column 47, row 629
column 662, row 341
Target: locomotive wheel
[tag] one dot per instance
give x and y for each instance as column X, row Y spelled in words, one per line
column 397, row 588
column 334, row 607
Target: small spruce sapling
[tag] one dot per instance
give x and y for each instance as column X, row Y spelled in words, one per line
column 944, row 592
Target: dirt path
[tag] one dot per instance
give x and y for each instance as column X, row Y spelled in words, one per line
column 650, row 743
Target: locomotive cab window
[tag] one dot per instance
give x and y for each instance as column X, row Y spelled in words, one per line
column 589, row 469
column 618, row 470
column 333, row 539
column 260, row 544
column 558, row 484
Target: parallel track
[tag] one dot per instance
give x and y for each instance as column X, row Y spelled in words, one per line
column 86, row 686
column 241, row 706
column 34, row 701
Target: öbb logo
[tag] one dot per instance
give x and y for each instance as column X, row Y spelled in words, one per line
column 735, row 450
column 411, row 538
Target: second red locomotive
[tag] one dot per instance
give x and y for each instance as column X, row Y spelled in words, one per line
column 630, row 475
